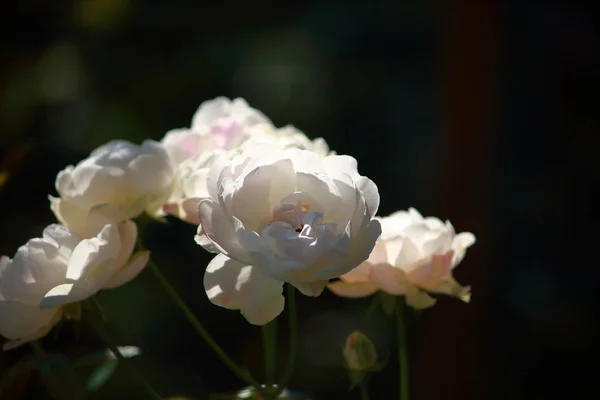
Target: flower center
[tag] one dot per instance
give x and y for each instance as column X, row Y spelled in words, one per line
column 292, row 214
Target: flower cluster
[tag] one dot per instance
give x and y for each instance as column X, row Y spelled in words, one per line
column 275, row 206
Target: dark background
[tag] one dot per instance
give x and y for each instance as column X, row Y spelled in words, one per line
column 483, row 112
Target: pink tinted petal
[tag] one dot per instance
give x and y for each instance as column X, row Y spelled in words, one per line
column 190, row 146
column 227, row 133
column 379, row 255
column 358, row 274
column 171, row 208
column 352, row 290
column 393, row 247
column 190, row 208
column 427, row 275
column 408, row 254
column 389, row 279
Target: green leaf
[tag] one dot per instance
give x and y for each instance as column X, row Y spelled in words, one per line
column 101, row 375
column 101, row 356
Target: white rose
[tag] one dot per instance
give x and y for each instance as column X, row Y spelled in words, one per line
column 190, row 187
column 120, row 178
column 190, row 183
column 283, row 216
column 288, row 137
column 217, row 124
column 51, row 272
column 413, row 256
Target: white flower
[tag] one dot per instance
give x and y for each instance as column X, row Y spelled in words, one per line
column 190, row 187
column 220, row 123
column 288, row 137
column 51, row 272
column 119, row 178
column 191, row 180
column 283, row 216
column 413, row 256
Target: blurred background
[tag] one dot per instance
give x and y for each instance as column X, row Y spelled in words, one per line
column 485, row 113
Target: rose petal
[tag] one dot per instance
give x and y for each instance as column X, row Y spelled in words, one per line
column 219, row 229
column 312, row 289
column 24, row 322
column 428, row 274
column 358, row 274
column 451, row 287
column 259, row 191
column 389, row 279
column 352, row 290
column 204, row 241
column 420, row 300
column 90, row 253
column 337, row 166
column 371, row 194
column 61, row 295
column 236, row 286
column 137, row 263
column 128, row 233
column 460, row 244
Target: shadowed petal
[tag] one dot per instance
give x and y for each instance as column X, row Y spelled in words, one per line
column 353, row 290
column 236, row 286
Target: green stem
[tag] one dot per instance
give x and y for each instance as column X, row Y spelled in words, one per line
column 289, row 369
column 404, row 388
column 364, row 392
column 115, row 350
column 187, row 312
column 98, row 308
column 269, row 337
